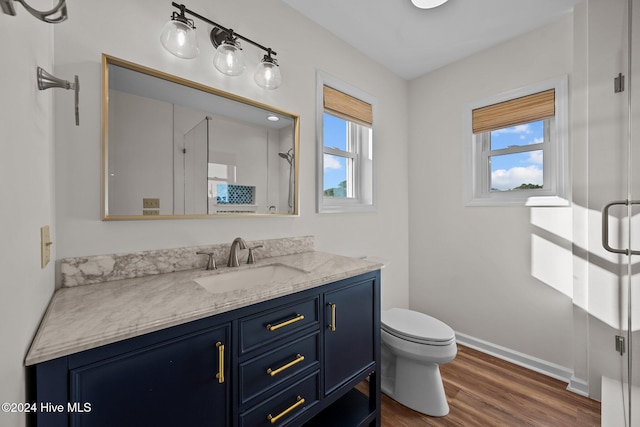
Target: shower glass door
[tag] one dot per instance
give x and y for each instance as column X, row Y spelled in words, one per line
column 621, row 230
column 632, row 260
column 193, row 198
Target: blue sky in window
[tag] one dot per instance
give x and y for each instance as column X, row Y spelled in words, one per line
column 512, row 170
column 335, row 136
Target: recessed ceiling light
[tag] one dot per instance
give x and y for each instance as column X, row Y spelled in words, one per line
column 427, row 4
column 273, row 118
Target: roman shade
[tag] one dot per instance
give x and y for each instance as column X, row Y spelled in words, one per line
column 347, row 107
column 530, row 108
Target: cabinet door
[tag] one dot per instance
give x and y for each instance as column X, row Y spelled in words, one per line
column 180, row 382
column 349, row 333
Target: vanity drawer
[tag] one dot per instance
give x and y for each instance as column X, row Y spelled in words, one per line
column 284, row 407
column 277, row 366
column 256, row 331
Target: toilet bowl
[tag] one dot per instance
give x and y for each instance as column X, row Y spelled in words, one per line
column 413, row 346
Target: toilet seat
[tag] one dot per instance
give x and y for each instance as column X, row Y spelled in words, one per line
column 416, row 327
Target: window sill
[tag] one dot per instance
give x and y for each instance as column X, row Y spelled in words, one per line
column 529, row 201
column 346, row 208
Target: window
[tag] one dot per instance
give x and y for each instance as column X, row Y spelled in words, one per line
column 516, row 147
column 345, row 147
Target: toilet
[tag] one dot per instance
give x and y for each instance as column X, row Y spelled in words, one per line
column 413, row 346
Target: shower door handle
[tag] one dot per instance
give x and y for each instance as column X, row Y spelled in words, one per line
column 605, row 227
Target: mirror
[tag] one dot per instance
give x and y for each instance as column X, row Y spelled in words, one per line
column 173, row 148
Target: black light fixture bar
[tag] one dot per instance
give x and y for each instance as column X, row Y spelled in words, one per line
column 226, row 30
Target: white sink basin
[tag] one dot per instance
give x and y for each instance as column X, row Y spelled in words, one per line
column 242, row 279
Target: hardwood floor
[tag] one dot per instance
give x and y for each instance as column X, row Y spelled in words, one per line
column 489, row 392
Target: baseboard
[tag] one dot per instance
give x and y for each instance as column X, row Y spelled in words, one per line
column 578, row 386
column 575, row 385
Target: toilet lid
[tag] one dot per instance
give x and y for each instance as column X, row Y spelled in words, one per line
column 415, row 326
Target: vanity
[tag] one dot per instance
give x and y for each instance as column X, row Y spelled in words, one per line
column 286, row 347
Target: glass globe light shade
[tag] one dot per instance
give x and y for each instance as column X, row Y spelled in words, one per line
column 267, row 74
column 180, row 38
column 228, row 58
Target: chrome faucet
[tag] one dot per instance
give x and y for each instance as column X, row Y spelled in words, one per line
column 238, row 243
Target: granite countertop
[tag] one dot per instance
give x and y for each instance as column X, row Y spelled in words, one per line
column 84, row 317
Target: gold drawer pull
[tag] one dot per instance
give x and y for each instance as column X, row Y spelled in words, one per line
column 298, row 317
column 332, row 325
column 220, row 374
column 299, row 402
column 273, row 372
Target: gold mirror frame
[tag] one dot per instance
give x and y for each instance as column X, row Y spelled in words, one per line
column 216, row 94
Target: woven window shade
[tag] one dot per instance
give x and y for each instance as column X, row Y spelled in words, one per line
column 347, row 107
column 530, row 108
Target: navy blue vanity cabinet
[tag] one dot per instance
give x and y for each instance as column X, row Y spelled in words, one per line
column 279, row 363
column 299, row 359
column 348, row 350
column 178, row 382
column 320, row 358
column 169, row 378
column 351, row 353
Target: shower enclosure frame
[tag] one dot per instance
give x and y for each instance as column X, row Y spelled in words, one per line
column 627, row 248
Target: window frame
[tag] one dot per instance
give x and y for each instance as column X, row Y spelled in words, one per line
column 361, row 201
column 556, row 188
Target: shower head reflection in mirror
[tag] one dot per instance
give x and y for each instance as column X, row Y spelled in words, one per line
column 288, row 156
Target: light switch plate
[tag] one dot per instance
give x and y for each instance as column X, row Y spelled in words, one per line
column 45, row 246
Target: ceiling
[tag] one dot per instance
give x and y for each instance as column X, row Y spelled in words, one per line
column 411, row 41
column 145, row 84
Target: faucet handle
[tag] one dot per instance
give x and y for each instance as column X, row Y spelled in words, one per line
column 251, row 258
column 211, row 263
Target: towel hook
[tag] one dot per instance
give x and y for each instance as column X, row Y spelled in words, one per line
column 46, row 81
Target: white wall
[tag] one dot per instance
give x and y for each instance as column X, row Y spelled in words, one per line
column 501, row 274
column 26, row 190
column 140, row 153
column 503, row 293
column 302, row 48
column 534, row 280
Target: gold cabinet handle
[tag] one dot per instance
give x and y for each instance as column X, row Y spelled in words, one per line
column 299, row 402
column 273, row 372
column 332, row 325
column 220, row 374
column 298, row 318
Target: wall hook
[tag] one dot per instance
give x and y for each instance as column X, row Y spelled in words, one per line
column 45, row 16
column 46, row 81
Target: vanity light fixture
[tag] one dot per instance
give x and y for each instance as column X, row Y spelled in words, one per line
column 228, row 59
column 179, row 36
column 46, row 16
column 428, row 4
column 267, row 74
